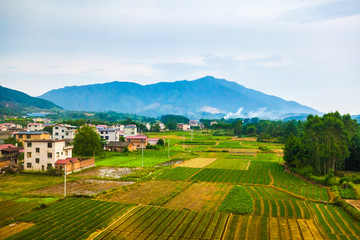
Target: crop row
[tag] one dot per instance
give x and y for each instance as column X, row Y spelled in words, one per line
column 257, row 227
column 316, row 193
column 178, row 173
column 232, row 176
column 335, row 222
column 151, row 222
column 234, row 164
column 266, row 166
column 283, row 179
column 71, row 219
column 270, row 202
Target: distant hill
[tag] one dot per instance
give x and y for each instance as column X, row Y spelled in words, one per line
column 14, row 102
column 204, row 97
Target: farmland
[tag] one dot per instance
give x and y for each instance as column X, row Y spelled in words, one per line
column 210, row 187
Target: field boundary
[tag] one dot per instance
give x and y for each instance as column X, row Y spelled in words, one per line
column 95, row 234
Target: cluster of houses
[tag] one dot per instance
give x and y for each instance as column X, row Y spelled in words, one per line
column 43, row 151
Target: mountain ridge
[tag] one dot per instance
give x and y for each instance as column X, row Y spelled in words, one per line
column 200, row 97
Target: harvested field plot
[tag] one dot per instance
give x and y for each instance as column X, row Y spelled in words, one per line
column 232, row 176
column 146, row 222
column 106, row 172
column 178, row 173
column 73, row 218
column 153, row 192
column 234, row 164
column 335, row 222
column 196, row 162
column 81, row 187
column 200, row 196
column 12, row 229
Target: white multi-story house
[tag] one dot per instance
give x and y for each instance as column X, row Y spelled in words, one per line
column 109, row 134
column 34, row 127
column 63, row 131
column 40, row 155
column 183, row 127
column 130, row 130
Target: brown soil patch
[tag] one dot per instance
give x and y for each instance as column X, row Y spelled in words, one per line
column 81, row 187
column 279, row 152
column 248, row 139
column 196, row 162
column 355, row 203
column 153, row 192
column 201, row 196
column 106, row 172
column 14, row 228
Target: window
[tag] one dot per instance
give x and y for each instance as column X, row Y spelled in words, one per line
column 28, row 165
column 56, row 134
column 28, row 154
column 49, row 145
column 67, row 134
column 62, row 153
column 57, row 154
column 29, row 144
column 66, row 152
column 37, row 150
column 107, row 137
column 42, row 167
column 62, row 130
column 56, row 127
column 49, row 155
column 28, row 136
column 37, row 160
column 20, row 136
column 62, row 137
column 49, row 166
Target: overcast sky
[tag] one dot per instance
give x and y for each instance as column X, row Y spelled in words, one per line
column 302, row 50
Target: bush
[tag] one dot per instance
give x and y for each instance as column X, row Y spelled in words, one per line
column 238, row 201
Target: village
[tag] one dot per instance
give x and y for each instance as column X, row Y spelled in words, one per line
column 43, row 150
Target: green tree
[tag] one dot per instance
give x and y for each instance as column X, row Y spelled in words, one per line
column 87, row 141
column 155, row 128
column 160, row 142
column 12, row 140
column 353, row 161
column 48, row 129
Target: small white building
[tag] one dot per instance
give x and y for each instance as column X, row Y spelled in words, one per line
column 40, row 155
column 109, row 134
column 183, row 127
column 161, row 125
column 63, row 131
column 130, row 130
column 34, row 127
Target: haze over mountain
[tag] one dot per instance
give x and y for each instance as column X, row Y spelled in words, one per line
column 204, row 97
column 13, row 102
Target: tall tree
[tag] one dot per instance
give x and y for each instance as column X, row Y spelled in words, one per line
column 87, row 141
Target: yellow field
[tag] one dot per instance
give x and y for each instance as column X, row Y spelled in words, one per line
column 201, row 196
column 10, row 230
column 196, row 162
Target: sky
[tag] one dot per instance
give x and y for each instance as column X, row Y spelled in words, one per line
column 301, row 50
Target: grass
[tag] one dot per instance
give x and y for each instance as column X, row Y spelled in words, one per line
column 238, row 201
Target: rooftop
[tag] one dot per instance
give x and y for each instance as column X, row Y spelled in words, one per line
column 33, row 133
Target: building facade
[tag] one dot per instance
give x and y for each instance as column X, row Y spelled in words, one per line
column 34, row 127
column 63, row 131
column 22, row 136
column 40, row 155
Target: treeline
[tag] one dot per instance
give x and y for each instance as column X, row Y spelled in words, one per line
column 324, row 144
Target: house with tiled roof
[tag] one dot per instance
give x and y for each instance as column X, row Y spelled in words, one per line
column 120, row 146
column 139, row 141
column 33, row 127
column 74, row 164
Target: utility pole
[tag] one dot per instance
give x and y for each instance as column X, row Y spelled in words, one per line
column 183, row 142
column 168, row 148
column 65, row 182
column 142, row 152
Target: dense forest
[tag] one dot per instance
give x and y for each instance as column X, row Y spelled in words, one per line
column 324, row 144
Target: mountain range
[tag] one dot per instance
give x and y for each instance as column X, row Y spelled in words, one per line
column 205, row 97
column 14, row 102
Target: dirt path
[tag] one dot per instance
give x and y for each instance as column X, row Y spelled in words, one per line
column 247, row 167
column 355, row 203
column 12, row 229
